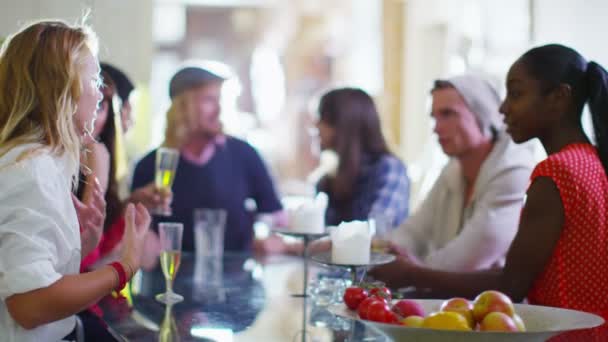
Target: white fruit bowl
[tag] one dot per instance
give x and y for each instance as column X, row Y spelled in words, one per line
column 541, row 323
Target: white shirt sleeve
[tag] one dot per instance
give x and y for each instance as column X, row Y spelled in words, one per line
column 415, row 231
column 38, row 236
column 487, row 235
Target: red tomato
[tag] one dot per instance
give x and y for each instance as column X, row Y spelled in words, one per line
column 353, row 296
column 391, row 318
column 364, row 307
column 380, row 312
column 382, row 292
column 382, row 299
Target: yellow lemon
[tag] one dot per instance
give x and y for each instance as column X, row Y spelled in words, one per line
column 412, row 321
column 460, row 306
column 446, row 320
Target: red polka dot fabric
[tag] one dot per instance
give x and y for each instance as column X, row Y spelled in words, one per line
column 576, row 276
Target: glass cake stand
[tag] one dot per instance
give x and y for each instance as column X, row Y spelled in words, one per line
column 306, row 238
column 375, row 259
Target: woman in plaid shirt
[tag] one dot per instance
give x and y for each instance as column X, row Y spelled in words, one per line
column 369, row 182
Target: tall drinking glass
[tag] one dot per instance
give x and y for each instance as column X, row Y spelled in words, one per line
column 170, row 257
column 166, row 165
column 209, row 228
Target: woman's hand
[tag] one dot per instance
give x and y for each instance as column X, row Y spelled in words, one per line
column 149, row 259
column 137, row 224
column 91, row 216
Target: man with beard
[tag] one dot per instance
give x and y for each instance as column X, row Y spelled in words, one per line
column 215, row 170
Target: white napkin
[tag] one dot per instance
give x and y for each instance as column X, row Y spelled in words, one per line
column 351, row 243
column 309, row 217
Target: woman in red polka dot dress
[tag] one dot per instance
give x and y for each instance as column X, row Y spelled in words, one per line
column 560, row 254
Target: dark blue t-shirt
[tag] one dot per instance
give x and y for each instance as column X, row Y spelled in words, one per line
column 234, row 175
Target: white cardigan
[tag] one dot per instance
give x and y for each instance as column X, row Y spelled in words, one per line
column 446, row 237
column 39, row 235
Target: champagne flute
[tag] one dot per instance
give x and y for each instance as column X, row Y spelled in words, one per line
column 170, row 257
column 166, row 166
column 168, row 328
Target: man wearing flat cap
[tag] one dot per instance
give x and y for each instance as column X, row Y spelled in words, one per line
column 215, row 170
column 470, row 216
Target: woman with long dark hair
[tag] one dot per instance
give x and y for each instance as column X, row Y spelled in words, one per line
column 369, row 180
column 99, row 157
column 560, row 254
column 99, row 165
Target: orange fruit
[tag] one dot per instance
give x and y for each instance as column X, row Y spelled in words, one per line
column 446, row 320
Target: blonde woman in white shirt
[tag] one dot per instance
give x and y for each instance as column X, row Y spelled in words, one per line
column 50, row 75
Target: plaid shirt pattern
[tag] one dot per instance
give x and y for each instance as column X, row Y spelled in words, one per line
column 382, row 189
column 389, row 191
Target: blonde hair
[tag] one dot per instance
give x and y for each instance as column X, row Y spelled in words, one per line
column 40, row 69
column 176, row 129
